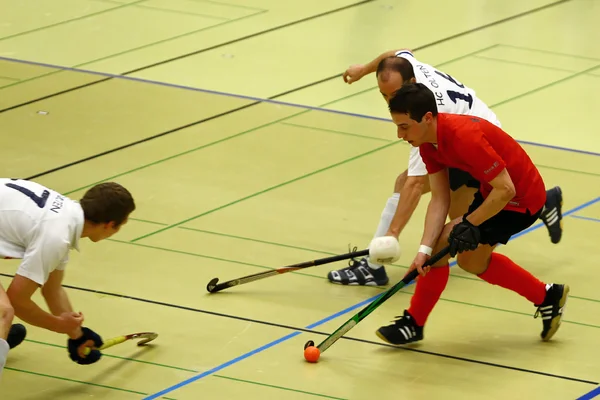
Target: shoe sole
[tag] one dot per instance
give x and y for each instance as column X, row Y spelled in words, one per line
column 555, row 324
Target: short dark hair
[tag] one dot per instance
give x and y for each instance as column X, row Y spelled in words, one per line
column 107, row 202
column 414, row 99
column 397, row 64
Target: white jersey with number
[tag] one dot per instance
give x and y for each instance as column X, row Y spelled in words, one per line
column 452, row 97
column 39, row 226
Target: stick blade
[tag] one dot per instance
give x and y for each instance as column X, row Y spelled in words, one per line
column 146, row 337
column 212, row 285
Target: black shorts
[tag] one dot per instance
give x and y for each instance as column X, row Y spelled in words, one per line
column 503, row 225
column 458, row 178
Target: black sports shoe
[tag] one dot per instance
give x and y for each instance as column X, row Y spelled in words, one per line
column 359, row 273
column 552, row 213
column 16, row 335
column 552, row 309
column 404, row 330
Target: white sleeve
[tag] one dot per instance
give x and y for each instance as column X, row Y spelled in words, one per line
column 416, row 165
column 43, row 255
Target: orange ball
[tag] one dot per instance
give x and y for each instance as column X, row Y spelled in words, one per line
column 312, row 354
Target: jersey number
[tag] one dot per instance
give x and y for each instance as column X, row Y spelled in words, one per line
column 39, row 200
column 456, row 95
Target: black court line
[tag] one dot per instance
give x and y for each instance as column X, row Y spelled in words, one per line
column 190, row 54
column 336, row 76
column 294, row 328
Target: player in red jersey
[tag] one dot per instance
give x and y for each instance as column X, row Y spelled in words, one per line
column 511, row 197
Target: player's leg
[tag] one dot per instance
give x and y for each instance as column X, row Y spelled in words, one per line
column 552, row 213
column 14, row 334
column 500, row 270
column 363, row 271
column 409, row 327
column 6, row 316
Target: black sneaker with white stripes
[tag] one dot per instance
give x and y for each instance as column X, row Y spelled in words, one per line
column 552, row 309
column 552, row 213
column 404, row 330
column 359, row 273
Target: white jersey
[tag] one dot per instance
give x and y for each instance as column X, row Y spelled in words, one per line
column 39, row 226
column 452, row 97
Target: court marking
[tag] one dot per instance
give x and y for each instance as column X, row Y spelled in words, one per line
column 210, row 117
column 586, row 218
column 464, row 277
column 80, row 382
column 309, row 328
column 71, row 20
column 62, row 69
column 154, row 364
column 274, row 187
column 320, row 108
column 516, row 16
column 287, row 337
column 500, row 60
column 590, row 395
column 585, row 71
column 533, row 50
column 335, row 315
column 166, row 10
column 111, row 76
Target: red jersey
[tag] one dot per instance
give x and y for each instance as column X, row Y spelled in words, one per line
column 482, row 149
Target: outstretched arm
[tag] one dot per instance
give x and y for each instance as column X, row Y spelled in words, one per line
column 356, row 72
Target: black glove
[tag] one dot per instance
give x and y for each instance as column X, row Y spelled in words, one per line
column 75, row 344
column 464, row 237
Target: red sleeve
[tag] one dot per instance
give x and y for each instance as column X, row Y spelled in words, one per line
column 428, row 153
column 474, row 150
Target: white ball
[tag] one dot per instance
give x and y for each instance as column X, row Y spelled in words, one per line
column 384, row 250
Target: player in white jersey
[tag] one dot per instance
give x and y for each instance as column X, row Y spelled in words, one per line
column 393, row 69
column 41, row 226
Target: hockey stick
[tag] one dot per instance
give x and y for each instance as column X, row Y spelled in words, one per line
column 213, row 286
column 362, row 314
column 145, row 336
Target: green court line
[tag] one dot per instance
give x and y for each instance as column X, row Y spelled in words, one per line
column 221, row 3
column 524, row 64
column 8, row 78
column 277, row 186
column 167, row 10
column 175, row 368
column 204, row 146
column 278, row 387
column 549, row 52
column 71, row 20
column 146, row 221
column 339, row 132
column 567, row 170
column 585, row 71
column 132, row 50
column 80, row 382
column 207, row 257
column 458, row 276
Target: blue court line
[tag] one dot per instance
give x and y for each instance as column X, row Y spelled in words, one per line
column 258, row 350
column 590, row 395
column 326, row 319
column 586, row 218
column 240, row 96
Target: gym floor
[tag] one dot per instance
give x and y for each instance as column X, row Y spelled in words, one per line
column 245, row 151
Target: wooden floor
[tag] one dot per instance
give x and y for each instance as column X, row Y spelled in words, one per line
column 245, row 151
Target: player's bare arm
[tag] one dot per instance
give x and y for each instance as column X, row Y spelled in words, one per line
column 410, row 195
column 20, row 292
column 503, row 191
column 56, row 298
column 356, row 72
